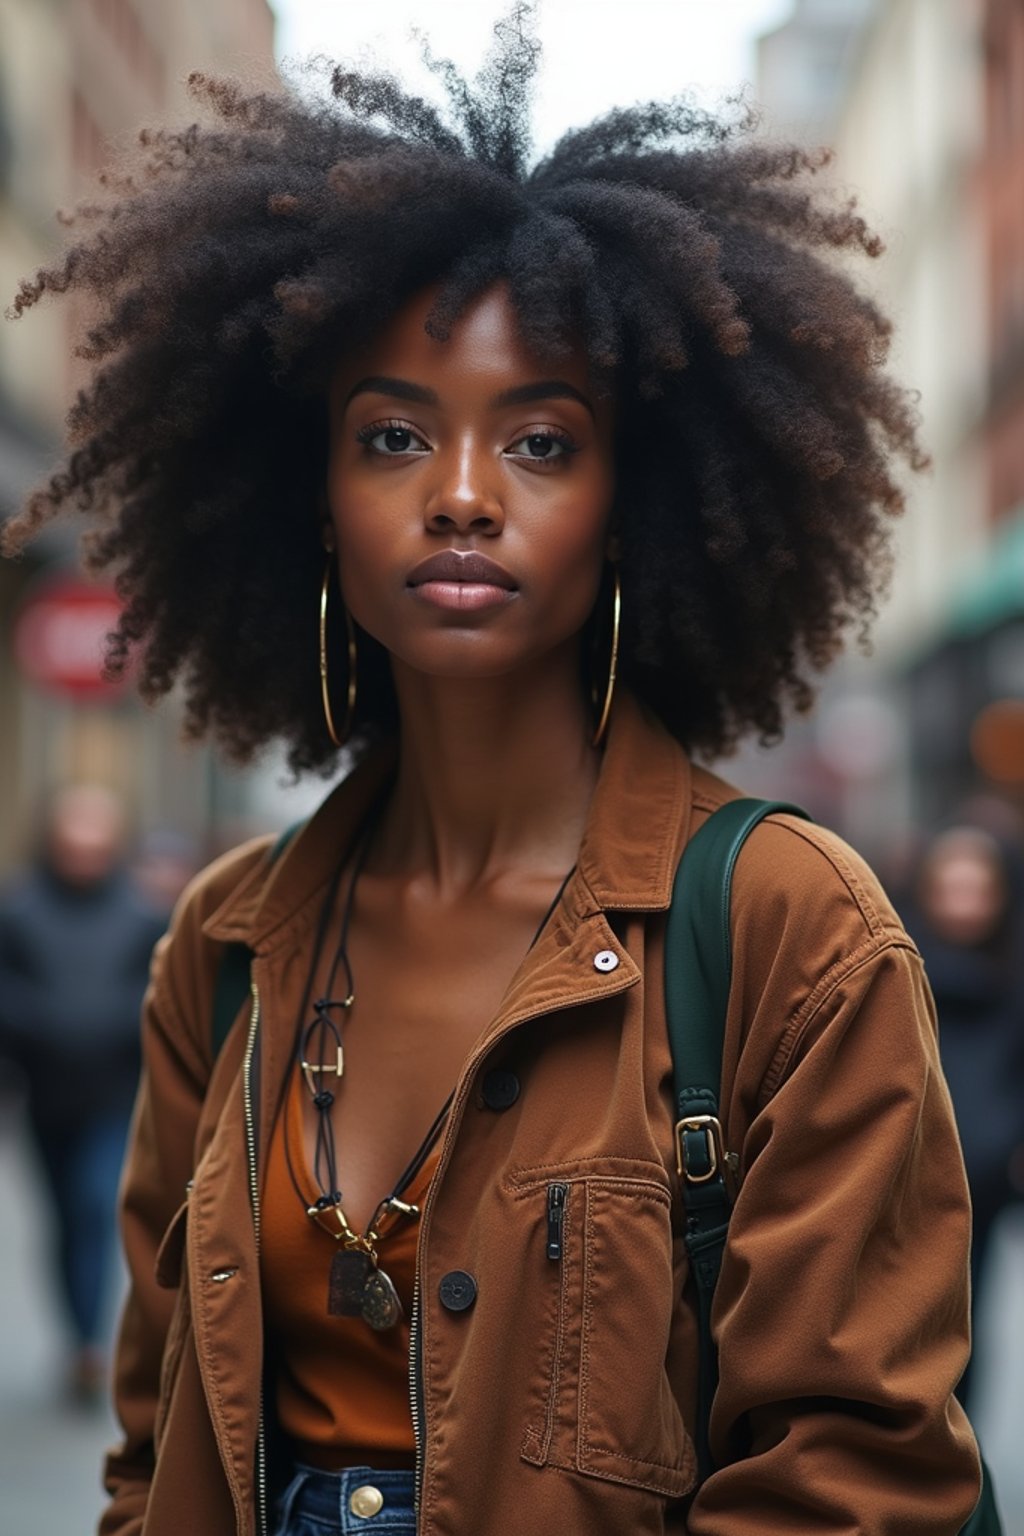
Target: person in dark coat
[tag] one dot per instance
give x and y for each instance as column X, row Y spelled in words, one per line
column 76, row 936
column 968, row 925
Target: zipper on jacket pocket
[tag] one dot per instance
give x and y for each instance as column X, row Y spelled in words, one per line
column 557, row 1195
column 254, row 1196
column 416, row 1395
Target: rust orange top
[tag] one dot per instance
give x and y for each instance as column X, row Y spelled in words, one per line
column 342, row 1387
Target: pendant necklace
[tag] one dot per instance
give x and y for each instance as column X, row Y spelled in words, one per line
column 357, row 1285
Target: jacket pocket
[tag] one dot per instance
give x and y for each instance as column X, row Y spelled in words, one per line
column 169, row 1269
column 608, row 1409
column 170, row 1364
column 170, row 1256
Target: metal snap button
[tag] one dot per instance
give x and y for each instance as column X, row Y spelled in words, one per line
column 500, row 1088
column 606, row 960
column 457, row 1291
column 366, row 1501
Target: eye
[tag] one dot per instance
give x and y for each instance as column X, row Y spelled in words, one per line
column 543, row 447
column 391, row 439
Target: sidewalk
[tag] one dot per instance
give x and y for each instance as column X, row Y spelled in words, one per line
column 50, row 1454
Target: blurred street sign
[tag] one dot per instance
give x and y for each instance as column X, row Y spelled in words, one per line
column 60, row 635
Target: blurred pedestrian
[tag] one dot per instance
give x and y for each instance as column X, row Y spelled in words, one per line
column 75, row 941
column 968, row 925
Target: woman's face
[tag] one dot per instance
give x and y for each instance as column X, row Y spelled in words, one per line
column 963, row 892
column 469, row 489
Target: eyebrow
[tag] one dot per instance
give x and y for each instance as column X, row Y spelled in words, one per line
column 546, row 389
column 400, row 389
column 520, row 394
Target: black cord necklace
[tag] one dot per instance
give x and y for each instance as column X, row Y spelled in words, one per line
column 357, row 1286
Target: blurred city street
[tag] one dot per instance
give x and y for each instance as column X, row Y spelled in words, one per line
column 920, row 735
column 50, row 1452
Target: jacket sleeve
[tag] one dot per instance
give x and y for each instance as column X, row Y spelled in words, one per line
column 841, row 1314
column 176, row 1066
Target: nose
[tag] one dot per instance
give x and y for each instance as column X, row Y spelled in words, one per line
column 465, row 496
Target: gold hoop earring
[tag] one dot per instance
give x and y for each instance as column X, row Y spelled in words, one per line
column 609, row 693
column 350, row 703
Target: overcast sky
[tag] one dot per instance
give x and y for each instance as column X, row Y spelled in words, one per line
column 597, row 53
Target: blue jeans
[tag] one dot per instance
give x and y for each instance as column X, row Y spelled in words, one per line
column 357, row 1500
column 82, row 1164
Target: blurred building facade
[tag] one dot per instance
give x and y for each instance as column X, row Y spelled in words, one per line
column 923, row 102
column 78, row 78
column 1002, row 198
column 802, row 65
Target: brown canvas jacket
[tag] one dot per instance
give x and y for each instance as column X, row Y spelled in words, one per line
column 562, row 1400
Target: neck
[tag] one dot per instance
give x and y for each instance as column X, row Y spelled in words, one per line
column 494, row 776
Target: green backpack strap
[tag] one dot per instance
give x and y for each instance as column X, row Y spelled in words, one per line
column 230, row 991
column 232, row 985
column 698, row 971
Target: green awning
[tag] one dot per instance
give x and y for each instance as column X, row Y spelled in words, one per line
column 994, row 592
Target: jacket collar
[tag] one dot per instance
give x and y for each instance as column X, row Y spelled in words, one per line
column 639, row 816
column 636, row 828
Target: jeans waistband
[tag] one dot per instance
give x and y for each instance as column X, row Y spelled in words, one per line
column 353, row 1501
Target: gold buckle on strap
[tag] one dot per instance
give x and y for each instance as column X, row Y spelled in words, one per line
column 712, row 1129
column 337, row 1066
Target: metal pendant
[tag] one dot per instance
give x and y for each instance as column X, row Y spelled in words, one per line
column 350, row 1269
column 381, row 1306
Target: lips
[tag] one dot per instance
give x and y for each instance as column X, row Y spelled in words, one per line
column 469, row 567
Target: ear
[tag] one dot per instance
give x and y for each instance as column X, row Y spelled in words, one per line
column 327, row 536
column 613, row 548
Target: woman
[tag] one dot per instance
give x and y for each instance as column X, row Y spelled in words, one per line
column 966, row 921
column 527, row 484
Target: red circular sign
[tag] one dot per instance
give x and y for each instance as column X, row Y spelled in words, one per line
column 60, row 638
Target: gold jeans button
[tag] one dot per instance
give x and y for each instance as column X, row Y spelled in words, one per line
column 366, row 1501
